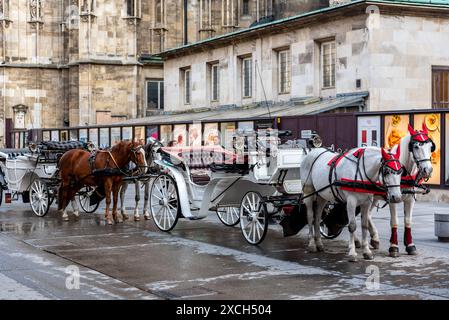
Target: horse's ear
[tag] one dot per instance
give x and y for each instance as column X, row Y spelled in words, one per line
column 424, row 128
column 385, row 155
column 411, row 130
column 397, row 155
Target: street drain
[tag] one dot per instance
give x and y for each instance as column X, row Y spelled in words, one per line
column 184, row 293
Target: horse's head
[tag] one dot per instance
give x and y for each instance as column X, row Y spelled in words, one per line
column 421, row 148
column 151, row 149
column 138, row 156
column 390, row 176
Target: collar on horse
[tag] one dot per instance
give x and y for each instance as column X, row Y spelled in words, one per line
column 359, row 185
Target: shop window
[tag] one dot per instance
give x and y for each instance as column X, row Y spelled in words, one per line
column 139, row 134
column 127, row 133
column 104, row 138
column 180, row 134
column 433, row 123
column 211, row 135
column 395, row 128
column 166, row 134
column 93, row 136
column 115, row 135
column 83, row 135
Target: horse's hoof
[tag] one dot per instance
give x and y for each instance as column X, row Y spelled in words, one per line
column 136, row 218
column 312, row 249
column 411, row 250
column 109, row 222
column 375, row 244
column 66, row 218
column 394, row 252
column 125, row 216
column 368, row 256
column 358, row 244
column 147, row 217
column 320, row 248
column 352, row 258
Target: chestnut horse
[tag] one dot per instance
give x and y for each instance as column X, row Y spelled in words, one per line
column 104, row 169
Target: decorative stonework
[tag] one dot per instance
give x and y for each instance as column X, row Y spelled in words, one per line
column 87, row 10
column 4, row 13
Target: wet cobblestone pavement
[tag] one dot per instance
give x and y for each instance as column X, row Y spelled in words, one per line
column 206, row 260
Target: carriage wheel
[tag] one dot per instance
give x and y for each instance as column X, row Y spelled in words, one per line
column 230, row 216
column 39, row 198
column 325, row 232
column 253, row 218
column 84, row 199
column 164, row 202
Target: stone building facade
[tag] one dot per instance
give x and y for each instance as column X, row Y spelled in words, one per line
column 78, row 62
column 395, row 52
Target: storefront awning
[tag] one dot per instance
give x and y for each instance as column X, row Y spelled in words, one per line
column 260, row 112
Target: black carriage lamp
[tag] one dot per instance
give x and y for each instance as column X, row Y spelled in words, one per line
column 20, row 112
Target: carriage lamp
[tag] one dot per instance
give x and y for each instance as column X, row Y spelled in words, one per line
column 293, row 186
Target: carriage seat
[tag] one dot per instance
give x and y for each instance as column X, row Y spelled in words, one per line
column 199, row 157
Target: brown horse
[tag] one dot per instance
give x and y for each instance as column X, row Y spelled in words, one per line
column 105, row 169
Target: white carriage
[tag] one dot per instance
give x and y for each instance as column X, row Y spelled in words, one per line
column 250, row 187
column 33, row 175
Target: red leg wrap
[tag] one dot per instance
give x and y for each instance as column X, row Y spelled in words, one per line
column 394, row 236
column 408, row 236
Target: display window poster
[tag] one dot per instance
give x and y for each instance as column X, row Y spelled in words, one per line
column 211, row 134
column 64, row 135
column 227, row 132
column 447, row 150
column 166, row 134
column 368, row 132
column 433, row 124
column 55, row 135
column 139, row 134
column 152, row 132
column 195, row 135
column 180, row 134
column 74, row 135
column 46, row 136
column 115, row 136
column 395, row 128
column 93, row 136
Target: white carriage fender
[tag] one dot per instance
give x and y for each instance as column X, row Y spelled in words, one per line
column 182, row 188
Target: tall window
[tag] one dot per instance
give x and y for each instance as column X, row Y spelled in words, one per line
column 215, row 82
column 247, row 84
column 187, row 85
column 284, row 67
column 205, row 14
column 245, row 7
column 155, row 94
column 328, row 56
column 159, row 11
column 130, row 8
column 440, row 87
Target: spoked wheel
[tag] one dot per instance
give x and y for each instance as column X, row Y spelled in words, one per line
column 84, row 199
column 230, row 216
column 164, row 202
column 39, row 198
column 326, row 233
column 253, row 218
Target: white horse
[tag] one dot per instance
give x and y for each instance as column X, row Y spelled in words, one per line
column 352, row 178
column 415, row 152
column 150, row 148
